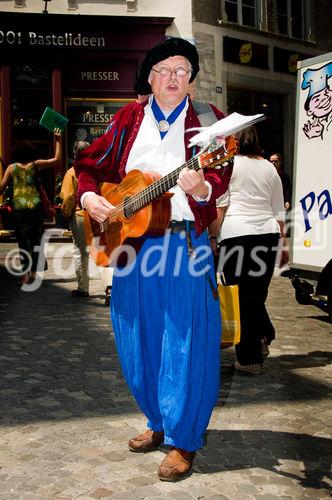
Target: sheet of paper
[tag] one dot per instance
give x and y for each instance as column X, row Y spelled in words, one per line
column 225, row 127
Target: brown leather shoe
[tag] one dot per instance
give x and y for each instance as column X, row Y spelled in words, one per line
column 148, row 441
column 176, row 465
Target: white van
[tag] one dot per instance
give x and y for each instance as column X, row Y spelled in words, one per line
column 311, row 221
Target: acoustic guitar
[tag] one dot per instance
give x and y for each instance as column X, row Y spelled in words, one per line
column 142, row 205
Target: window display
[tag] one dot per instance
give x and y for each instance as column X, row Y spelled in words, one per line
column 88, row 119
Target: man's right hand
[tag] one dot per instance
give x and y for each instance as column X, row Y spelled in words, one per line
column 97, row 206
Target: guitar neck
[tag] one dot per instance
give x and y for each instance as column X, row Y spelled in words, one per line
column 158, row 188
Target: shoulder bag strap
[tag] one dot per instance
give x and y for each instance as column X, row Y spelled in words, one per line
column 204, row 113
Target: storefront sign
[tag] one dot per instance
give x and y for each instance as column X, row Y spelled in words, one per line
column 246, row 53
column 96, row 118
column 99, row 75
column 285, row 61
column 32, row 39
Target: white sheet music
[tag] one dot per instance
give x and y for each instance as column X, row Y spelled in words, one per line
column 225, row 127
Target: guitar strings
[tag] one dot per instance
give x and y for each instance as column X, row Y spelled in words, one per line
column 165, row 183
column 142, row 198
column 157, row 188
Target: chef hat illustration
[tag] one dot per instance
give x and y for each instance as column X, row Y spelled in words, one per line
column 316, row 79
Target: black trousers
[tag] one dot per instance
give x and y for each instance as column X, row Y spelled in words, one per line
column 29, row 229
column 249, row 262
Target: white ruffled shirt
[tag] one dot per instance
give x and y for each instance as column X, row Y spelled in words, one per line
column 150, row 153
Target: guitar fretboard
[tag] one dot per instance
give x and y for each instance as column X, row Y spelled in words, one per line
column 150, row 193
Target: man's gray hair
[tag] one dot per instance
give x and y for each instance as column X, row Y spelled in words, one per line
column 79, row 146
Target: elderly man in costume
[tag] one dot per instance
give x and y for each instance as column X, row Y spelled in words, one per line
column 166, row 318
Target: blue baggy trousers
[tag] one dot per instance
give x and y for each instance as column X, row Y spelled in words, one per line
column 167, row 329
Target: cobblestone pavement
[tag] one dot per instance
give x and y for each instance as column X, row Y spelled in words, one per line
column 66, row 414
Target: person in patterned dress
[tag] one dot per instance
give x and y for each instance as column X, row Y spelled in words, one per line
column 27, row 206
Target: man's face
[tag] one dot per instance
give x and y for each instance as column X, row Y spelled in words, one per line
column 320, row 103
column 170, row 89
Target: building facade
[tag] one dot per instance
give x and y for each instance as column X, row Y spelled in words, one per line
column 80, row 58
column 249, row 51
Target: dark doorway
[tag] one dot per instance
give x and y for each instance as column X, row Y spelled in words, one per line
column 32, row 92
column 251, row 102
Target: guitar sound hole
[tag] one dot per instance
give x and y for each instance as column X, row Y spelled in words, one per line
column 127, row 210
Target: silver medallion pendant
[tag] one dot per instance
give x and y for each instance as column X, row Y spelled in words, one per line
column 163, row 125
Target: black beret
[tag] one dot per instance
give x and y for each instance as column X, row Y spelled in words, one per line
column 167, row 48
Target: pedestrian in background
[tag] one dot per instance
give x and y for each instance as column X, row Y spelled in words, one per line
column 250, row 222
column 278, row 162
column 75, row 217
column 27, row 203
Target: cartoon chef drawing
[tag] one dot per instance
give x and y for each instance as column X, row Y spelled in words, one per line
column 318, row 104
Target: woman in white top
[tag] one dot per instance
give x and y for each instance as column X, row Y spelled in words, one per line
column 250, row 222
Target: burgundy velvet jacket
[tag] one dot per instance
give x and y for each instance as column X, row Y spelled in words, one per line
column 105, row 159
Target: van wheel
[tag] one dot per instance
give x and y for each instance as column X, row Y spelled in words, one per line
column 303, row 297
column 303, row 291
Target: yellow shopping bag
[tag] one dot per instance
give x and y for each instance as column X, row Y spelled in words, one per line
column 230, row 314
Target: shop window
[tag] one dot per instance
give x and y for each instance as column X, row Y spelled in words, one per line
column 31, row 93
column 292, row 17
column 243, row 12
column 26, row 115
column 251, row 102
column 88, row 119
column 29, row 76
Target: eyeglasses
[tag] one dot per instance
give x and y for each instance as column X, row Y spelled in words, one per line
column 164, row 71
column 275, row 161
